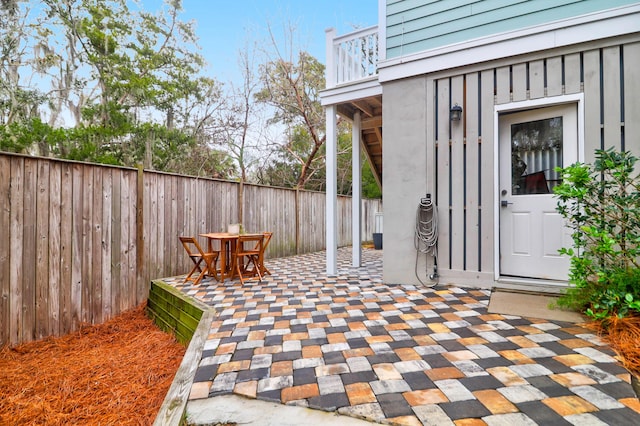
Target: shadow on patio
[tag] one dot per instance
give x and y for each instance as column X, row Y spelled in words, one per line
column 400, row 354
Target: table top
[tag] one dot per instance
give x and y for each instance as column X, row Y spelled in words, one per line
column 225, row 235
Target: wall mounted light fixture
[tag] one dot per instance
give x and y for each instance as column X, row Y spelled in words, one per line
column 455, row 113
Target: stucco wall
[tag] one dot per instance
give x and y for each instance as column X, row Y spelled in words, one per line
column 405, row 155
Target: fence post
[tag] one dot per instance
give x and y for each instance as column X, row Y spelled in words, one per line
column 297, row 220
column 141, row 283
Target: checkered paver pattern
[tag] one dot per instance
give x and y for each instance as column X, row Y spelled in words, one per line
column 401, row 354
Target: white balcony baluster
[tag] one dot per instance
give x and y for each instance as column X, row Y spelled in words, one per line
column 353, row 56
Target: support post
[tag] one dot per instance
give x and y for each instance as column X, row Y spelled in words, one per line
column 297, row 220
column 332, row 191
column 330, row 60
column 356, row 193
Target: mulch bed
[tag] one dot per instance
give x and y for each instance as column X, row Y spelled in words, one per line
column 623, row 335
column 114, row 373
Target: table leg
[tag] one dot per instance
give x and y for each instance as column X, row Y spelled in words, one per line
column 223, row 260
column 232, row 270
column 210, row 248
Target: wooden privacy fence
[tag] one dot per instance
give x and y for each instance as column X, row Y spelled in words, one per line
column 80, row 243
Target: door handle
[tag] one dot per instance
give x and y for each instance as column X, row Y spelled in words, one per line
column 505, row 203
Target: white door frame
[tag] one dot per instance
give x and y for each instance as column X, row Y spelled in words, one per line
column 578, row 99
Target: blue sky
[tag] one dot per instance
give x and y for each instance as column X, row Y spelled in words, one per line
column 223, row 26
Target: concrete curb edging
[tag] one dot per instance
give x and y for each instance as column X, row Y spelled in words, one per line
column 175, row 402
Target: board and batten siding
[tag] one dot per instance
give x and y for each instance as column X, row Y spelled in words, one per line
column 80, row 243
column 417, row 25
column 454, row 162
column 463, row 176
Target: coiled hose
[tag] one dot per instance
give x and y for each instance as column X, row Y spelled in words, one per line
column 426, row 236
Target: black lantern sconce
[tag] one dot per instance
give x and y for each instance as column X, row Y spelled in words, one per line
column 455, row 113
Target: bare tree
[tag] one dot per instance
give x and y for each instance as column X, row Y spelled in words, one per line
column 291, row 81
column 239, row 125
column 19, row 35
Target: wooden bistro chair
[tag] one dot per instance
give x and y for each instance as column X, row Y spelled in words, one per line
column 198, row 256
column 265, row 243
column 248, row 250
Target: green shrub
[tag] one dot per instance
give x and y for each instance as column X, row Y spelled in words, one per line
column 601, row 203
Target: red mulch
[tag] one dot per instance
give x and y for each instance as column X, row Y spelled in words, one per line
column 114, row 373
column 623, row 335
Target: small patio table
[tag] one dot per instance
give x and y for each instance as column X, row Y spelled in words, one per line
column 227, row 251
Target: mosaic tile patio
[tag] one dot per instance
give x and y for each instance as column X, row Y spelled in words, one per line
column 401, row 354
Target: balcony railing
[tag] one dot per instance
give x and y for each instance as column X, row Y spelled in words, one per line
column 352, row 57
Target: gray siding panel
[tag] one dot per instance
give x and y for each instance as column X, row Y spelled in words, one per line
column 431, row 160
column 519, row 84
column 611, row 103
column 472, row 167
column 591, row 64
column 503, row 84
column 631, row 70
column 572, row 81
column 536, row 79
column 458, row 169
column 443, row 174
column 554, row 76
column 487, row 189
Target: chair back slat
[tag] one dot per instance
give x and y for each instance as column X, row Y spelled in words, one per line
column 197, row 256
column 257, row 241
column 191, row 246
column 248, row 250
column 267, row 239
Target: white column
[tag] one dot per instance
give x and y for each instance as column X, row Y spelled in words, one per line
column 332, row 190
column 356, row 196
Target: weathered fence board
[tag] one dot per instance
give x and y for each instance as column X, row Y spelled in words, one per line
column 66, row 239
column 87, row 240
column 96, row 248
column 5, row 249
column 42, row 250
column 106, row 243
column 77, row 246
column 83, row 241
column 16, row 211
column 29, row 250
column 55, row 177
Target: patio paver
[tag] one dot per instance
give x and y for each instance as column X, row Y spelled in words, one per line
column 401, row 354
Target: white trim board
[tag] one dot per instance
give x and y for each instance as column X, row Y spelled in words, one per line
column 351, row 91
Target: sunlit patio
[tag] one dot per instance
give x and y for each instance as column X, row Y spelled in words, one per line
column 400, row 354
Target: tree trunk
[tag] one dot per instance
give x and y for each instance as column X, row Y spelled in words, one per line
column 241, row 201
column 148, row 151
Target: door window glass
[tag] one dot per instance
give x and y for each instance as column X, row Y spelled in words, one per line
column 536, row 150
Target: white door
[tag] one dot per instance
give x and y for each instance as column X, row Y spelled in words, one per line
column 532, row 144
